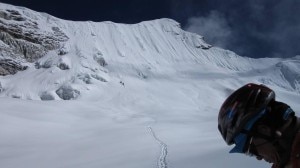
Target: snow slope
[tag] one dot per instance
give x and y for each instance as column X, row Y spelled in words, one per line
column 142, row 95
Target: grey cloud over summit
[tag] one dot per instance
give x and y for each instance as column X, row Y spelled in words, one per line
column 252, row 28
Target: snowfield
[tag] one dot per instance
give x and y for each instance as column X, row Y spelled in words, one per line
column 114, row 95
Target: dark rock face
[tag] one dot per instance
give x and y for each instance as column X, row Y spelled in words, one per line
column 8, row 67
column 23, row 40
column 12, row 15
column 1, row 88
column 98, row 57
column 67, row 93
column 63, row 66
column 46, row 96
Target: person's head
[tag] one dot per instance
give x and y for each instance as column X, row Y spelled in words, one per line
column 251, row 119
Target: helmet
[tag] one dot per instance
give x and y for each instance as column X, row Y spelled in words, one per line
column 242, row 106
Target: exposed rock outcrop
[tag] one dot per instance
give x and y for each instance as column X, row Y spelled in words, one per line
column 8, row 66
column 1, row 88
column 67, row 92
column 23, row 40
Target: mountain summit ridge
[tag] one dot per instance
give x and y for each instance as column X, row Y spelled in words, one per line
column 59, row 59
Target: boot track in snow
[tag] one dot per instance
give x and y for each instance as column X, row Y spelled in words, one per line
column 162, row 161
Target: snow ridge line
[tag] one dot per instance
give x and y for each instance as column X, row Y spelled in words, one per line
column 162, row 161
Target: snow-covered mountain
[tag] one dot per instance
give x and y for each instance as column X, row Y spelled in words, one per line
column 143, row 95
column 59, row 59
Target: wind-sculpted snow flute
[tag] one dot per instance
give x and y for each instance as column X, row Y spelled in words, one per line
column 260, row 126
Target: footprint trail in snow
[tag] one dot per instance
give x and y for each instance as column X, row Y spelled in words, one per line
column 162, row 161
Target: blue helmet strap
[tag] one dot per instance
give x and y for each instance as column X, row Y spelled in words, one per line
column 271, row 137
column 242, row 138
column 260, row 135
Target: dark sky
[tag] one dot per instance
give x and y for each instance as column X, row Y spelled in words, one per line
column 253, row 28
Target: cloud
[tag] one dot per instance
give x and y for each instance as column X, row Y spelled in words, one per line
column 253, row 28
column 286, row 31
column 214, row 28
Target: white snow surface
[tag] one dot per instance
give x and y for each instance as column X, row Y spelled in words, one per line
column 154, row 105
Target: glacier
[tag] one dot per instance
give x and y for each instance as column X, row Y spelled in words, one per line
column 91, row 91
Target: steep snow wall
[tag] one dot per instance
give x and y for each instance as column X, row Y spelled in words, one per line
column 59, row 59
